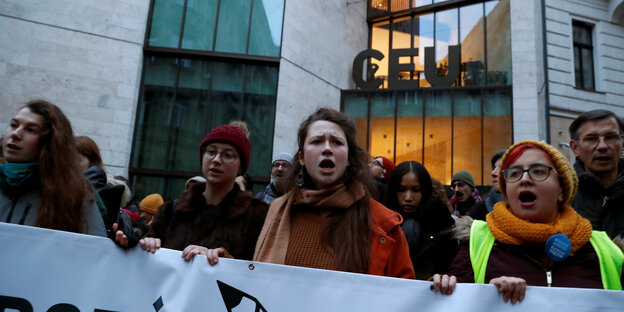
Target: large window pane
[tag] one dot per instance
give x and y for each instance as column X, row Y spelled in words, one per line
column 438, row 136
column 588, row 70
column 266, row 27
column 356, row 106
column 187, row 130
column 498, row 32
column 380, row 40
column 166, row 23
column 381, row 134
column 150, row 149
column 467, row 133
column 471, row 36
column 423, row 38
column 409, row 127
column 497, row 127
column 233, row 26
column 446, row 34
column 260, row 118
column 199, row 25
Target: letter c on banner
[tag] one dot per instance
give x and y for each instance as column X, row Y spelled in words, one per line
column 358, row 62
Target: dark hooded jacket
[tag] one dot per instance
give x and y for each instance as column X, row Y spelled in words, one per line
column 234, row 223
column 604, row 207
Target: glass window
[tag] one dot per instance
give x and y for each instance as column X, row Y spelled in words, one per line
column 199, row 25
column 497, row 126
column 233, row 26
column 446, row 34
column 356, row 106
column 438, row 135
column 498, row 33
column 467, row 132
column 166, row 23
column 418, row 3
column 381, row 133
column 583, row 55
column 400, row 5
column 471, row 38
column 409, row 137
column 423, row 37
column 266, row 27
column 380, row 40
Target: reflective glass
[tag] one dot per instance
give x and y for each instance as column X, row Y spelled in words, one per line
column 418, row 3
column 233, row 26
column 356, row 106
column 260, row 119
column 381, row 133
column 467, row 132
column 380, row 41
column 409, row 127
column 498, row 33
column 446, row 34
column 266, row 27
column 497, row 127
column 199, row 25
column 472, row 45
column 400, row 5
column 438, row 135
column 423, row 37
column 588, row 70
column 166, row 23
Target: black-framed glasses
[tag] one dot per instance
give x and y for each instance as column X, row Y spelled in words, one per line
column 284, row 165
column 537, row 173
column 375, row 163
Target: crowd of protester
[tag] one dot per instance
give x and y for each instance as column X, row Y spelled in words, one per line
column 332, row 206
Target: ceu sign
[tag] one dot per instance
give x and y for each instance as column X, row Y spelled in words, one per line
column 394, row 68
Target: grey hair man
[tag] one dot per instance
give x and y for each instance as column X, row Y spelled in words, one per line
column 596, row 141
column 279, row 179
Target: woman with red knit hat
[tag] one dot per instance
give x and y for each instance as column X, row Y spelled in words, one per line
column 535, row 238
column 216, row 213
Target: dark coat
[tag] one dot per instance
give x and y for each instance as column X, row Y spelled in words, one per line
column 234, row 223
column 604, row 207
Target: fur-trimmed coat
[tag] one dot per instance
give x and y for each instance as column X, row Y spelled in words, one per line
column 234, row 223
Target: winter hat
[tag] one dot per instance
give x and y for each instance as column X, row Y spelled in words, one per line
column 151, row 203
column 463, row 176
column 283, row 156
column 388, row 165
column 198, row 179
column 567, row 176
column 231, row 135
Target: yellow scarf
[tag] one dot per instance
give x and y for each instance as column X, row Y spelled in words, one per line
column 273, row 240
column 509, row 229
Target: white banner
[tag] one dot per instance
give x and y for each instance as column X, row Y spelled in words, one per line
column 44, row 270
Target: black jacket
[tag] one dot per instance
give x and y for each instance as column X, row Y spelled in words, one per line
column 604, row 207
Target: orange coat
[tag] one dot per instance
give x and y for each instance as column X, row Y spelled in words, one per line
column 389, row 249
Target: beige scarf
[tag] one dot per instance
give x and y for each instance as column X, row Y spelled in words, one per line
column 273, row 240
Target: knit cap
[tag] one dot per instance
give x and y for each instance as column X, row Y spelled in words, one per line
column 151, row 203
column 283, row 156
column 231, row 135
column 567, row 176
column 463, row 176
column 388, row 165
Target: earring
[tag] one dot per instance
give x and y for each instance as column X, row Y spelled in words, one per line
column 299, row 178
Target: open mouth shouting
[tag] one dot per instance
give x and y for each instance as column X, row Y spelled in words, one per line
column 327, row 166
column 527, row 199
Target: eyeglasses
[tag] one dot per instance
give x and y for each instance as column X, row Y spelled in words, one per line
column 375, row 163
column 537, row 173
column 283, row 165
column 226, row 156
column 594, row 140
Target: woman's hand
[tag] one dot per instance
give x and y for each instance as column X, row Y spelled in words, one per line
column 513, row 288
column 150, row 244
column 192, row 250
column 444, row 284
column 120, row 237
column 213, row 255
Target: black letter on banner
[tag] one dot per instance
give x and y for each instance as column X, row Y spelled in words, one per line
column 63, row 307
column 15, row 303
column 358, row 63
column 99, row 310
column 431, row 69
column 395, row 68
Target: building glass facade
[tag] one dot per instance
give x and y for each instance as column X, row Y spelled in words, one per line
column 206, row 63
column 446, row 128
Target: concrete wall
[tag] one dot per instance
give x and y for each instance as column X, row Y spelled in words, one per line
column 318, row 47
column 529, row 114
column 85, row 57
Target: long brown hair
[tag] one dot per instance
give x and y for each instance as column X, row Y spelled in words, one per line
column 348, row 235
column 64, row 187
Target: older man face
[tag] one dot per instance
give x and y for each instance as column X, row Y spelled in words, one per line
column 278, row 172
column 599, row 146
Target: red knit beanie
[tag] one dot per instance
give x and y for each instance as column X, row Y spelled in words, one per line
column 388, row 165
column 231, row 135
